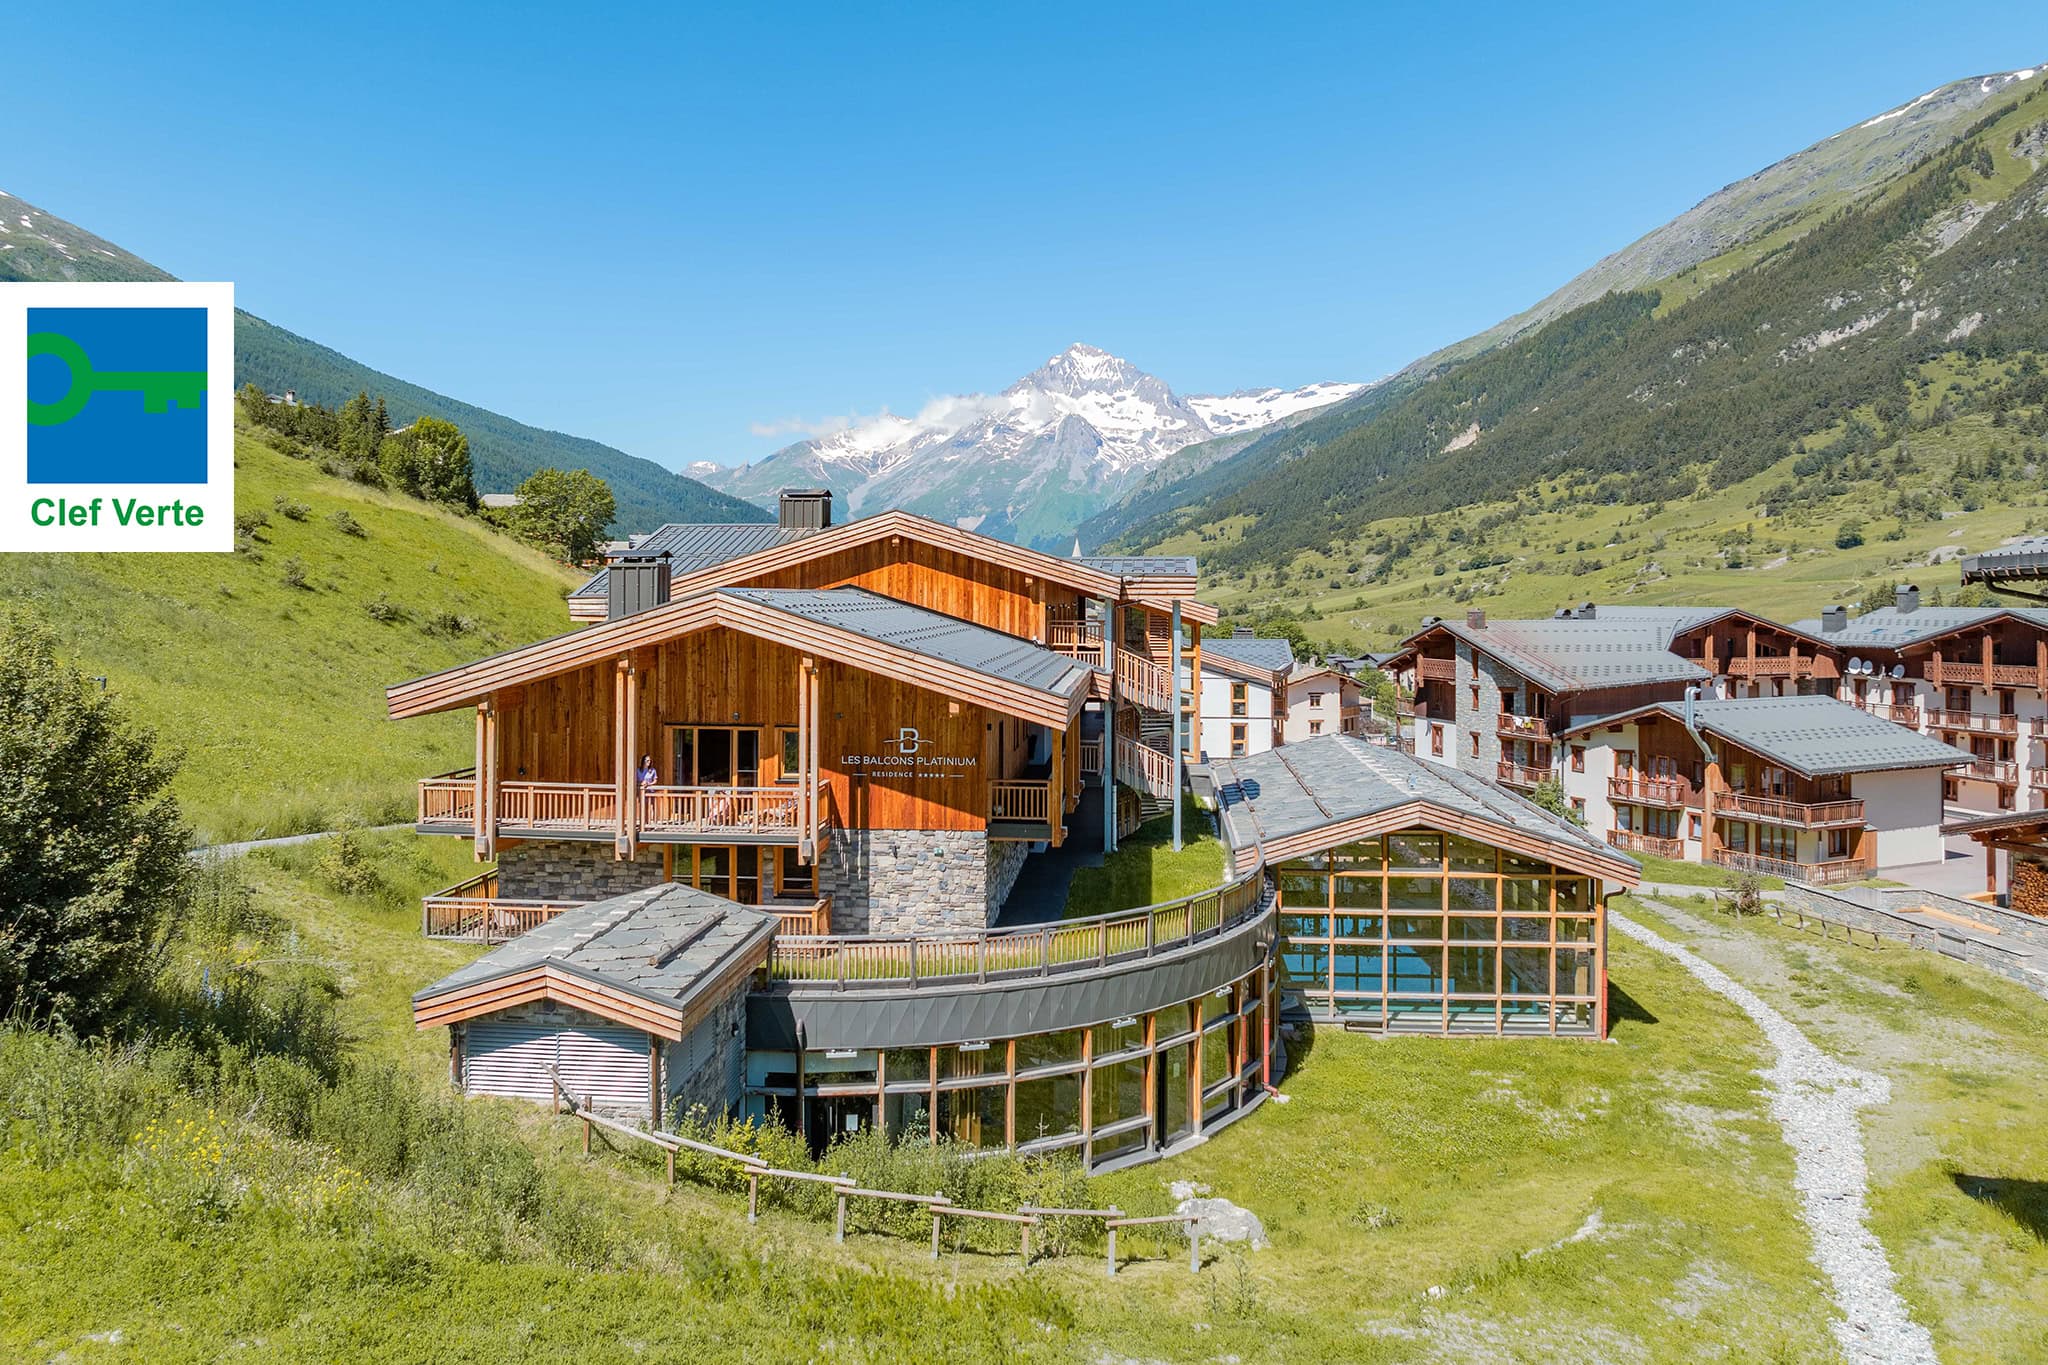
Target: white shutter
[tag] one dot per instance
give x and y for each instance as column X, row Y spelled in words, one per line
column 506, row 1057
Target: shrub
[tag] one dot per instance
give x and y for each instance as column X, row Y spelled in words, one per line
column 344, row 864
column 448, row 623
column 1848, row 535
column 382, row 608
column 249, row 523
column 347, row 525
column 293, row 573
column 289, row 509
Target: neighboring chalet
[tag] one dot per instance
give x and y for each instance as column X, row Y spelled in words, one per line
column 1498, row 699
column 1320, row 700
column 1240, row 701
column 1416, row 899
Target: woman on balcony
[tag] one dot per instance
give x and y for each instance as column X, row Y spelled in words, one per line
column 645, row 775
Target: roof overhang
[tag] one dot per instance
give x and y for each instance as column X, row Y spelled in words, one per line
column 1701, row 730
column 1238, row 668
column 469, row 683
column 1429, row 815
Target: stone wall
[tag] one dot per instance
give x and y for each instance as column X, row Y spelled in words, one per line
column 706, row 1069
column 900, row 881
column 1485, row 721
column 573, row 870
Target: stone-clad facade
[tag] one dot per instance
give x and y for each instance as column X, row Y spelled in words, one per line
column 899, row 881
column 707, row 1068
column 569, row 870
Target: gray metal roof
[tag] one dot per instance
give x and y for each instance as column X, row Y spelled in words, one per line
column 930, row 633
column 1574, row 655
column 1335, row 778
column 2026, row 558
column 1810, row 735
column 692, row 546
column 1890, row 628
column 660, row 944
column 1141, row 566
column 1276, row 656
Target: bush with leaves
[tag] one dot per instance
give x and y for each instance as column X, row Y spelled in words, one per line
column 92, row 848
column 341, row 521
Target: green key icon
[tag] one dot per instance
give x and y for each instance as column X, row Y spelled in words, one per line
column 159, row 388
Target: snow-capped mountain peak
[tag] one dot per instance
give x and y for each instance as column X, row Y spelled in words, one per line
column 1031, row 461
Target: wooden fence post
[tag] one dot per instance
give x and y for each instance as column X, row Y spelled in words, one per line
column 753, row 1196
column 839, row 1218
column 1194, row 1249
column 1112, row 1249
column 671, row 1167
column 1024, row 1246
column 935, row 1232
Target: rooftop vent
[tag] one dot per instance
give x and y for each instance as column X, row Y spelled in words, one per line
column 805, row 509
column 1429, row 621
column 1240, row 632
column 1906, row 597
column 1587, row 611
column 1475, row 618
column 633, row 583
column 1833, row 619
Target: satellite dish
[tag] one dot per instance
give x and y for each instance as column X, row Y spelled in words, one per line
column 1898, row 670
column 1855, row 664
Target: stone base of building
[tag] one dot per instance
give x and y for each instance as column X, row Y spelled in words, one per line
column 901, row 881
column 569, row 870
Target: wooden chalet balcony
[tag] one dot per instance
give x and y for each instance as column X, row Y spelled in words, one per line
column 1898, row 713
column 1773, row 666
column 1828, row 873
column 1514, row 774
column 2001, row 675
column 1022, row 808
column 2037, row 778
column 1436, row 670
column 473, row 912
column 1647, row 791
column 590, row 810
column 667, row 812
column 1635, row 841
column 1973, row 722
column 1775, row 810
column 1140, row 680
column 559, row 807
column 449, row 799
column 1076, row 640
column 1523, row 727
column 1144, row 767
column 1091, row 758
column 2002, row 771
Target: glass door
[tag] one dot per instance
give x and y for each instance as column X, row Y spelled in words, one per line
column 714, row 756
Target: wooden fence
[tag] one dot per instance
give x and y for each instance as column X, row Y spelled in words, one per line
column 844, row 1188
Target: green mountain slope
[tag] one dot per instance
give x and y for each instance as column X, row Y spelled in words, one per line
column 1644, row 401
column 268, row 666
column 37, row 245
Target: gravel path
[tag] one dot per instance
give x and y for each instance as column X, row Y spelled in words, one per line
column 1815, row 1100
column 237, row 850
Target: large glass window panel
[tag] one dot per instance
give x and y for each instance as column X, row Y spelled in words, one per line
column 1215, row 1006
column 1117, row 1092
column 1525, row 896
column 1358, row 968
column 973, row 1116
column 1576, row 930
column 1525, row 971
column 1048, row 1049
column 907, row 1065
column 1471, row 893
column 1305, row 890
column 1361, row 926
column 1215, row 1055
column 1306, row 966
column 1473, row 927
column 1360, row 893
column 1517, row 865
column 959, row 1062
column 714, row 758
column 1415, row 893
column 1525, row 930
column 1469, row 970
column 1119, row 1035
column 1415, row 926
column 1415, row 850
column 1298, row 925
column 1366, row 854
column 1469, row 855
column 907, row 1116
column 1314, row 862
column 1108, row 1148
column 1573, row 895
column 1574, row 971
column 1415, row 971
column 1176, row 1119
column 1048, row 1107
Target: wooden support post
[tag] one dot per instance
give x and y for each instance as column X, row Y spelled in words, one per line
column 935, row 1233
column 1111, row 643
column 1173, row 708
column 1024, row 1243
column 805, row 835
column 1114, row 1212
column 753, row 1196
column 586, row 1132
column 671, row 1167
column 839, row 1218
column 1195, row 695
column 629, row 813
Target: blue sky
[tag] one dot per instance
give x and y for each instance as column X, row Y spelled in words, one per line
column 673, row 229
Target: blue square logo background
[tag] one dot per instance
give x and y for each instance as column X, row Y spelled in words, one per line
column 113, row 439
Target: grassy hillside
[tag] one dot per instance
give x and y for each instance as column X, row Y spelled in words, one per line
column 268, row 666
column 236, row 1188
column 1704, row 381
column 38, row 245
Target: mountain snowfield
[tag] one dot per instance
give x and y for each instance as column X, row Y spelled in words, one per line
column 1028, row 464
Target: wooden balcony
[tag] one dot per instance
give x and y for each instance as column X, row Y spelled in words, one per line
column 1523, row 727
column 2037, row 778
column 1144, row 682
column 2002, row 771
column 572, row 808
column 1831, row 872
column 473, row 912
column 1144, row 767
column 1514, row 774
column 1973, row 722
column 1077, row 640
column 1022, row 809
column 1898, row 713
column 1436, row 670
column 449, row 799
column 1635, row 841
column 685, row 813
column 800, row 917
column 1647, row 791
column 1771, row 667
column 1775, row 810
column 590, row 810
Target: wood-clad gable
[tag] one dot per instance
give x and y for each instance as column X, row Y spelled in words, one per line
column 1424, row 814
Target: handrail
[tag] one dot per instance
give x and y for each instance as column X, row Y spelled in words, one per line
column 832, row 962
column 1143, row 681
column 1144, row 766
column 1783, row 810
column 1657, row 791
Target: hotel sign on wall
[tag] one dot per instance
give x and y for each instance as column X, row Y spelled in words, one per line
column 909, row 756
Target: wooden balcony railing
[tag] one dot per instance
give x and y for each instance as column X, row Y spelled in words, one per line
column 2037, row 778
column 449, row 799
column 1075, row 639
column 1436, row 670
column 1025, row 801
column 560, row 807
column 1826, row 873
column 1776, row 666
column 2001, row 771
column 473, row 912
column 1523, row 727
column 1514, row 774
column 1144, row 767
column 1140, row 680
column 1777, row 810
column 1647, row 791
column 1898, row 713
column 912, row 961
column 725, row 810
column 803, row 918
column 1091, row 758
column 1973, row 722
column 1635, row 841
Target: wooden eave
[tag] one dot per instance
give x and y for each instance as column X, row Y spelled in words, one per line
column 1236, row 668
column 469, row 683
column 1428, row 815
column 565, row 985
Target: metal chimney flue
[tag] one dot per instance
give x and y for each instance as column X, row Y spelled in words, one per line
column 1833, row 619
column 804, row 509
column 634, row 583
column 1906, row 597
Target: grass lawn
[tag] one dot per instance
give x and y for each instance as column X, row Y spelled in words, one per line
column 274, row 691
column 1678, row 873
column 1145, row 870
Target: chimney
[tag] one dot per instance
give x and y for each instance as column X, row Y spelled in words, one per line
column 1240, row 632
column 1587, row 611
column 1692, row 694
column 1429, row 621
column 633, row 583
column 805, row 509
column 1833, row 619
column 1906, row 597
column 1475, row 618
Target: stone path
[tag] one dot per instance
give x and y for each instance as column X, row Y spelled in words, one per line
column 238, row 849
column 1815, row 1100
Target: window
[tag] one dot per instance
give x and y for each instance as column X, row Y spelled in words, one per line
column 1956, row 698
column 1776, row 841
column 1315, row 699
column 1579, row 807
column 1692, row 827
column 1238, row 699
column 1436, row 741
column 1475, row 744
column 1315, row 727
column 786, row 745
column 714, row 756
column 794, row 876
column 1237, row 741
column 1578, row 753
column 2008, row 702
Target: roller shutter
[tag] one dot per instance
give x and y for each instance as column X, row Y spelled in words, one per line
column 506, row 1057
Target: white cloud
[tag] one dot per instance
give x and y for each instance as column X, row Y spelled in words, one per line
column 946, row 415
column 797, row 426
